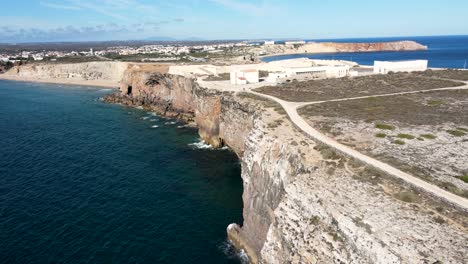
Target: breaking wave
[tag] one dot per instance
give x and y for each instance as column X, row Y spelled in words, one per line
column 232, row 253
column 200, row 145
column 155, row 126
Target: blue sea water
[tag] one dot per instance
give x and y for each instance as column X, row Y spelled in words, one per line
column 443, row 52
column 82, row 181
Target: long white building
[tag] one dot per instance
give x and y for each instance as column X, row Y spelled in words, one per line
column 384, row 67
column 322, row 71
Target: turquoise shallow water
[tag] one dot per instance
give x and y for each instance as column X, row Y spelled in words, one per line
column 82, row 181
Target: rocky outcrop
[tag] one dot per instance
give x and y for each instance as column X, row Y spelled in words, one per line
column 92, row 73
column 304, row 203
column 180, row 97
column 376, row 46
column 331, row 47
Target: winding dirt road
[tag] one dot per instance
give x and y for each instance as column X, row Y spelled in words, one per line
column 291, row 110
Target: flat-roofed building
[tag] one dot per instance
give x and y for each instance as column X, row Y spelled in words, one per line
column 318, row 72
column 384, row 67
column 244, row 76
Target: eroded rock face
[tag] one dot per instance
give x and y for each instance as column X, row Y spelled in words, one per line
column 107, row 71
column 301, row 205
column 318, row 47
column 180, row 97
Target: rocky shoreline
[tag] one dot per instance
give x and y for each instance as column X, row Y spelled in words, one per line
column 303, row 202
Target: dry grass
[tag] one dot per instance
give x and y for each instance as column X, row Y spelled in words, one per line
column 327, row 89
column 447, row 74
column 409, row 109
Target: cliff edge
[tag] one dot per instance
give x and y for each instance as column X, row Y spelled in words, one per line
column 303, row 201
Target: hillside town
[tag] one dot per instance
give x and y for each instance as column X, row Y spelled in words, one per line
column 159, row 52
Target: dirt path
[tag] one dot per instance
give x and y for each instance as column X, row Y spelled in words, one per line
column 291, row 110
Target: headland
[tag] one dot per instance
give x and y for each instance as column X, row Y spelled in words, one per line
column 333, row 169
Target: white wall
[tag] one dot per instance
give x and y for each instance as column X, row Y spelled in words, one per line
column 384, row 67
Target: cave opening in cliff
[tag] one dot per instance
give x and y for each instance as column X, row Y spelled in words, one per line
column 129, row 90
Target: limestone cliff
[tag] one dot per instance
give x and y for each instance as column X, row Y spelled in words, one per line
column 92, row 73
column 330, row 47
column 304, row 203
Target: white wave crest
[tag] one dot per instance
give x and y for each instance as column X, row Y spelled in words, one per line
column 170, row 123
column 231, row 252
column 145, row 117
column 200, row 145
column 155, row 126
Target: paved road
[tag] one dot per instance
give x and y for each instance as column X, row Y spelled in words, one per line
column 291, row 110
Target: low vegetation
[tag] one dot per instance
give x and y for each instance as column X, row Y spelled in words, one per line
column 410, row 109
column 220, row 77
column 407, row 197
column 381, row 135
column 428, row 136
column 456, row 133
column 435, row 102
column 384, row 126
column 399, row 142
column 447, row 74
column 406, row 136
column 464, row 178
column 327, row 89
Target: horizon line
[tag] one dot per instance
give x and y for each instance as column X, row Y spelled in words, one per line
column 170, row 39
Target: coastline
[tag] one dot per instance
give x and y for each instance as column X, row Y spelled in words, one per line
column 326, row 53
column 66, row 81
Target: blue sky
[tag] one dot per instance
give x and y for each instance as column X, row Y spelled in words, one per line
column 84, row 20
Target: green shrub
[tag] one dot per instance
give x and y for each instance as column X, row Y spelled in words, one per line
column 399, row 142
column 381, row 135
column 464, row 178
column 385, row 126
column 462, row 129
column 407, row 197
column 406, row 136
column 428, row 136
column 435, row 102
column 456, row 133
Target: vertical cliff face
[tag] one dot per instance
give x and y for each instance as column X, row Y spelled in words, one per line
column 303, row 203
column 109, row 73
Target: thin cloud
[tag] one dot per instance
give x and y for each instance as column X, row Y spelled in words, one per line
column 59, row 6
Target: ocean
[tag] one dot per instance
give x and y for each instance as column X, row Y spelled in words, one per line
column 82, row 181
column 443, row 52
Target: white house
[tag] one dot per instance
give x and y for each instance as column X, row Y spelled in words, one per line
column 384, row 67
column 269, row 42
column 244, row 76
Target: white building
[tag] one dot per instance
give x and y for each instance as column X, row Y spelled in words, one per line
column 384, row 67
column 274, row 76
column 244, row 77
column 269, row 42
column 294, row 42
column 336, row 71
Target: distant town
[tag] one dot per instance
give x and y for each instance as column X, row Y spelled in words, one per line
column 189, row 52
